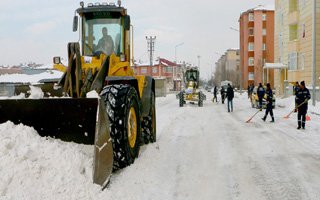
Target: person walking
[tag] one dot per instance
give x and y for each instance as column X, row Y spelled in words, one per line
column 223, row 94
column 229, row 96
column 215, row 91
column 269, row 99
column 261, row 93
column 302, row 98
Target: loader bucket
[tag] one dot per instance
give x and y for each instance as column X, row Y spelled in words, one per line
column 68, row 119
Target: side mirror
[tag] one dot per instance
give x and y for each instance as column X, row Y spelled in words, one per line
column 75, row 23
column 56, row 60
column 127, row 22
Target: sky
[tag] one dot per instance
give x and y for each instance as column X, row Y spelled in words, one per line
column 36, row 31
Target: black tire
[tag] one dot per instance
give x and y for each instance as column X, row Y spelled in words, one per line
column 149, row 123
column 123, row 109
column 200, row 102
column 181, row 99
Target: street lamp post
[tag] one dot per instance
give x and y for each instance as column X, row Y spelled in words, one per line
column 175, row 51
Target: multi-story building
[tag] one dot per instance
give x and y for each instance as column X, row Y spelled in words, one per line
column 163, row 68
column 256, row 46
column 293, row 43
column 228, row 68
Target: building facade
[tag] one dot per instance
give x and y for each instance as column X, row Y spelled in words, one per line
column 293, row 43
column 228, row 68
column 163, row 68
column 256, row 46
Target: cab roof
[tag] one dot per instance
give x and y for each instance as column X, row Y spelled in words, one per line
column 101, row 8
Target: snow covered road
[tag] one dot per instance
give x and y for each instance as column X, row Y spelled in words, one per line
column 202, row 153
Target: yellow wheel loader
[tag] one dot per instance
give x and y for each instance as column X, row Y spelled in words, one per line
column 121, row 115
column 191, row 92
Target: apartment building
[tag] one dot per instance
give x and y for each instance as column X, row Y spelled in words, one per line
column 293, row 43
column 228, row 67
column 256, row 46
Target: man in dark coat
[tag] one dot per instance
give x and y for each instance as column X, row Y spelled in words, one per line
column 296, row 90
column 230, row 95
column 269, row 99
column 215, row 91
column 302, row 97
column 223, row 94
column 260, row 92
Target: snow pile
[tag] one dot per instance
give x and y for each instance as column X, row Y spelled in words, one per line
column 24, row 78
column 34, row 167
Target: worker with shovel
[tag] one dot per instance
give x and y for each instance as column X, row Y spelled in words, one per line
column 302, row 97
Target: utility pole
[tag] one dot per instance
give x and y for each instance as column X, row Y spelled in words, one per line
column 151, row 40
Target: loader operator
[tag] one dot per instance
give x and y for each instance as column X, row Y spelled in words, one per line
column 106, row 44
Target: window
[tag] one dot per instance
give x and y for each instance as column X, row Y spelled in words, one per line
column 250, row 46
column 264, row 46
column 154, row 69
column 293, row 32
column 251, row 18
column 292, row 61
column 264, row 17
column 251, row 76
column 251, row 31
column 95, row 25
column 143, row 70
column 251, row 61
column 168, row 69
column 264, row 31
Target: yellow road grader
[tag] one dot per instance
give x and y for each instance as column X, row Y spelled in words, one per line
column 191, row 92
column 119, row 118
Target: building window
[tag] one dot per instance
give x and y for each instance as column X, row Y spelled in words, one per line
column 250, row 46
column 251, row 17
column 264, row 31
column 264, row 46
column 292, row 61
column 264, row 17
column 293, row 5
column 251, row 61
column 251, row 31
column 168, row 69
column 143, row 70
column 251, row 76
column 293, row 32
column 154, row 69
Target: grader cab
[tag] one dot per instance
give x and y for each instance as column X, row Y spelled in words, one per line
column 191, row 92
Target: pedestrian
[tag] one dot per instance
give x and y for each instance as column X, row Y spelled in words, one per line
column 229, row 96
column 302, row 98
column 269, row 99
column 296, row 90
column 223, row 94
column 215, row 91
column 261, row 93
column 250, row 91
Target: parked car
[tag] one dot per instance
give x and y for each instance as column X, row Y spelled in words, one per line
column 255, row 99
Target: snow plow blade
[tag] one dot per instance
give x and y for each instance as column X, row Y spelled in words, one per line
column 80, row 120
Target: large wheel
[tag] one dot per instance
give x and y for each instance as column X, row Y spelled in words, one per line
column 122, row 107
column 149, row 123
column 181, row 99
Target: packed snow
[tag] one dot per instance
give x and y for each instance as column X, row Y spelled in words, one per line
column 201, row 153
column 24, row 78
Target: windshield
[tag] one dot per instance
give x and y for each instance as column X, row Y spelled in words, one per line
column 192, row 76
column 102, row 35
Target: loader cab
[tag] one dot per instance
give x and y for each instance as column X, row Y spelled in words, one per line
column 192, row 78
column 105, row 28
